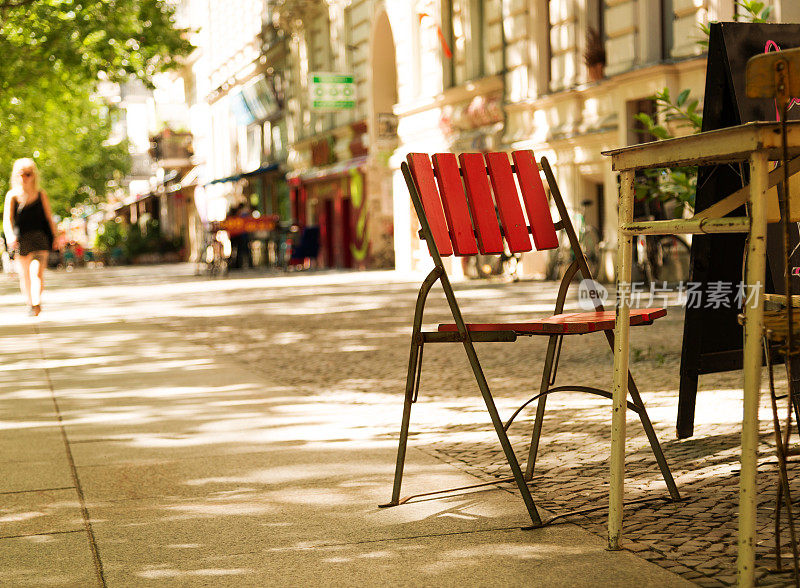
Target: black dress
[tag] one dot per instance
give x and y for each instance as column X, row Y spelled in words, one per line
column 33, row 229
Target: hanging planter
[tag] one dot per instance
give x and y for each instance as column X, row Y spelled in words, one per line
column 594, row 56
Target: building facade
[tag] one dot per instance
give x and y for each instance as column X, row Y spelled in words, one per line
column 562, row 77
column 478, row 75
column 338, row 153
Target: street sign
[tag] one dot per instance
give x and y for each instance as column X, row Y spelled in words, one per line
column 331, row 91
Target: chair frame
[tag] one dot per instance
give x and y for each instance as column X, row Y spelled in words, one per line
column 468, row 337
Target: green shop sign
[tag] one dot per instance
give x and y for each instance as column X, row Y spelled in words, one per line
column 332, row 91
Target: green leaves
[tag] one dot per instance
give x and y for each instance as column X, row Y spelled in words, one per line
column 52, row 55
column 754, row 11
column 677, row 185
column 680, row 113
column 60, row 125
column 108, row 38
column 651, row 127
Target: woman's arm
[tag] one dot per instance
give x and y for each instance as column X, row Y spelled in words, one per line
column 8, row 223
column 48, row 212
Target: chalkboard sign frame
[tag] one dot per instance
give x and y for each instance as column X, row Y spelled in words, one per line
column 713, row 338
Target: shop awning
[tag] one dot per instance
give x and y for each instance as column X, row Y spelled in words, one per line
column 320, row 173
column 188, row 180
column 232, row 178
column 134, row 200
column 262, row 170
column 255, row 172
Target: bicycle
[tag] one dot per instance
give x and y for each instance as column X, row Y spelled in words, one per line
column 662, row 258
column 213, row 256
column 589, row 238
column 505, row 265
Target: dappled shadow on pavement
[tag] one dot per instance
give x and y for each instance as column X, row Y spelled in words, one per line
column 169, row 449
column 696, row 538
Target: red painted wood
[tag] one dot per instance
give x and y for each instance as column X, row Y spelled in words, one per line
column 422, row 172
column 515, row 228
column 535, row 198
column 577, row 323
column 456, row 212
column 481, row 204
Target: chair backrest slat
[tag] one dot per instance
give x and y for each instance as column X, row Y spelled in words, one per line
column 422, row 171
column 515, row 228
column 479, row 195
column 455, row 204
column 535, row 199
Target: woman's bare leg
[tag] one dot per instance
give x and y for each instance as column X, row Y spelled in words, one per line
column 37, row 277
column 24, row 262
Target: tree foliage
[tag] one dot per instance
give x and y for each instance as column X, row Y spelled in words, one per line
column 112, row 39
column 54, row 52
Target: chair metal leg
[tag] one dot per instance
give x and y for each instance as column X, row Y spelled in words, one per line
column 540, row 406
column 412, row 379
column 655, row 445
column 412, row 388
column 501, row 434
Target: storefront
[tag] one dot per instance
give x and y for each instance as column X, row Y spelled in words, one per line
column 132, row 210
column 333, row 198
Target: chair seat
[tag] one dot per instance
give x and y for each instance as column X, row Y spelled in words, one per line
column 575, row 323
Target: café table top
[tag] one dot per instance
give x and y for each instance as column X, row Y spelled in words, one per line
column 728, row 145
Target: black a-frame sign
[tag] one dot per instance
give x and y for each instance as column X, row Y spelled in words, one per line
column 712, row 338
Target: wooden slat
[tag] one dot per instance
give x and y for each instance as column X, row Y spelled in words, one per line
column 535, row 199
column 480, row 201
column 422, row 171
column 456, row 212
column 515, row 228
column 564, row 324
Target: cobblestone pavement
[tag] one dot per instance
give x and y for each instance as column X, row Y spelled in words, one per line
column 348, row 335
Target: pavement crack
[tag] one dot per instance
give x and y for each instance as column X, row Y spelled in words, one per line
column 87, row 524
column 42, row 534
column 37, row 490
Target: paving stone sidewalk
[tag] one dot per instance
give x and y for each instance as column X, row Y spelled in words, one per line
column 346, row 337
column 358, row 339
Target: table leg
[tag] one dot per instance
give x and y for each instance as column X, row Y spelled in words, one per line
column 620, row 390
column 754, row 322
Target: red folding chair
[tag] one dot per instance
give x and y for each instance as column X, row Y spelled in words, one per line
column 454, row 204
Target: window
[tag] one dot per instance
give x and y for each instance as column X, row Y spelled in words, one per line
column 637, row 133
column 318, row 41
column 563, row 44
column 467, row 29
column 253, row 153
column 667, row 22
column 349, row 45
column 476, row 36
column 448, row 37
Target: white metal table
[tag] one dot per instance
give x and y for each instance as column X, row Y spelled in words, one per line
column 754, row 143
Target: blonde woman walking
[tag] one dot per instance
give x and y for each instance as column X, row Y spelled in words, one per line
column 29, row 229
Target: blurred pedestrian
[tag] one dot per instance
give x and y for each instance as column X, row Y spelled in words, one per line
column 29, row 229
column 240, row 238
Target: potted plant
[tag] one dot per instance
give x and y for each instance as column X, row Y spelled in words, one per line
column 594, row 56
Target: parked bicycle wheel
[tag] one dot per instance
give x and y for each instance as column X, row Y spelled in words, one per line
column 558, row 259
column 487, row 266
column 590, row 243
column 671, row 259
